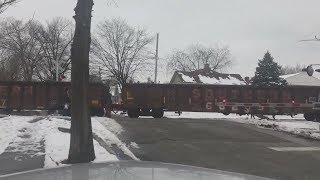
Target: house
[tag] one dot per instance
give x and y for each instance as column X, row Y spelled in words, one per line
column 302, row 79
column 206, row 76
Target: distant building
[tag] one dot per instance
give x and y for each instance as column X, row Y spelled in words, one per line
column 302, row 79
column 206, row 76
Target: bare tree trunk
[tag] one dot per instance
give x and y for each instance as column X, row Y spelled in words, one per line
column 81, row 142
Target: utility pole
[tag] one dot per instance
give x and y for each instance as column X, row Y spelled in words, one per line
column 156, row 68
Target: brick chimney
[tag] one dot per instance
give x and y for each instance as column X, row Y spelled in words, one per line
column 206, row 68
column 247, row 80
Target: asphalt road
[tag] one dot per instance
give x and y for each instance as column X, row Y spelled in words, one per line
column 222, row 145
column 12, row 162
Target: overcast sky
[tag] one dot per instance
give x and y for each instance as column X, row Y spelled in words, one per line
column 248, row 27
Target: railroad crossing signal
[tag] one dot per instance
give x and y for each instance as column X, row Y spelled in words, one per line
column 310, row 70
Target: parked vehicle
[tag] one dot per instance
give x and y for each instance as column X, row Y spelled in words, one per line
column 51, row 96
column 154, row 99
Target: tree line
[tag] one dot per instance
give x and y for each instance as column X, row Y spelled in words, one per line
column 30, row 49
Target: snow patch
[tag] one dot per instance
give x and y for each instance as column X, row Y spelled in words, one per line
column 293, row 125
column 227, row 81
column 34, row 135
column 58, row 143
column 110, row 138
column 10, row 127
column 186, row 78
column 102, row 154
column 111, row 124
column 202, row 115
column 303, row 79
column 134, row 145
column 288, row 75
column 208, row 80
column 57, row 148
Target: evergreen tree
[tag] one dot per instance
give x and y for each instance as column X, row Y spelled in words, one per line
column 268, row 73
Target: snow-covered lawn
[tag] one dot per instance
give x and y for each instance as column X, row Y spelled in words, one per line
column 36, row 135
column 296, row 125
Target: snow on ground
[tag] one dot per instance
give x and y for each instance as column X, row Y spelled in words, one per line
column 37, row 135
column 200, row 115
column 134, row 145
column 57, row 149
column 294, row 125
column 302, row 128
column 111, row 139
column 111, row 124
column 9, row 129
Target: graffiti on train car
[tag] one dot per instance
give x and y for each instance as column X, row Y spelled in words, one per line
column 196, row 99
column 51, row 96
column 226, row 99
column 209, row 99
column 3, row 96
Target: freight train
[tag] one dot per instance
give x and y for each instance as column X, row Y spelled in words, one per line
column 51, row 96
column 154, row 99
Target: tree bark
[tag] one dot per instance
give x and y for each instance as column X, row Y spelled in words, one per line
column 81, row 141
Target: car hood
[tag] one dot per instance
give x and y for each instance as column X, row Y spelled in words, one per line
column 129, row 170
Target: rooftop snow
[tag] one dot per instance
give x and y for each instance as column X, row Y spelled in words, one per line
column 186, row 78
column 209, row 77
column 288, row 75
column 303, row 79
column 227, row 81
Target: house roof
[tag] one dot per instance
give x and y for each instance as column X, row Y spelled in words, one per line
column 302, row 79
column 208, row 77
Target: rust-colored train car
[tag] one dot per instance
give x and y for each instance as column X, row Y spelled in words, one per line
column 153, row 99
column 19, row 95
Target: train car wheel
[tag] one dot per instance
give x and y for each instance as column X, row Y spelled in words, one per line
column 317, row 117
column 100, row 112
column 66, row 110
column 309, row 116
column 50, row 112
column 133, row 113
column 9, row 111
column 226, row 113
column 92, row 111
column 157, row 113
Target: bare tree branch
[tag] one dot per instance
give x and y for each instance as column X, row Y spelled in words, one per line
column 292, row 69
column 36, row 47
column 196, row 56
column 18, row 41
column 4, row 4
column 56, row 38
column 120, row 50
